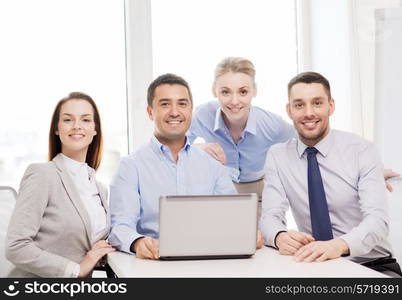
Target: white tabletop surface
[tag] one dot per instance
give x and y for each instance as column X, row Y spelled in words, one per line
column 266, row 262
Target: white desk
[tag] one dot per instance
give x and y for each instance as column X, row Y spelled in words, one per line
column 266, row 262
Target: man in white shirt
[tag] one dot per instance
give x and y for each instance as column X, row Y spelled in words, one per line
column 332, row 181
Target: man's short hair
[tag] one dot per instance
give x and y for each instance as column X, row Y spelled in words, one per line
column 310, row 77
column 166, row 79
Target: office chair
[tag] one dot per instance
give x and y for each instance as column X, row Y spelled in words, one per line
column 7, row 202
column 395, row 211
column 104, row 266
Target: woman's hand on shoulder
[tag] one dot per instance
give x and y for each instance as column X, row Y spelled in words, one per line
column 388, row 174
column 215, row 150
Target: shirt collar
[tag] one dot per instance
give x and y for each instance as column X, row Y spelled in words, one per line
column 74, row 166
column 250, row 126
column 158, row 146
column 219, row 123
column 251, row 122
column 323, row 146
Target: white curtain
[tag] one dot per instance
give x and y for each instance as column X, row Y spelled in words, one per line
column 363, row 45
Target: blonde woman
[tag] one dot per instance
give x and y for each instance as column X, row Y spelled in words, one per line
column 237, row 133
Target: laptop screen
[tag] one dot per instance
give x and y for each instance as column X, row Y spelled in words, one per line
column 207, row 225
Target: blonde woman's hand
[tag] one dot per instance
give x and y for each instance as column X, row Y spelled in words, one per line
column 388, row 173
column 215, row 150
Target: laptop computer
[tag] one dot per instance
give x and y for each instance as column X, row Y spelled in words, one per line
column 207, row 226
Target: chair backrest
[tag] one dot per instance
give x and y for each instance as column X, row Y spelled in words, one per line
column 7, row 202
column 395, row 211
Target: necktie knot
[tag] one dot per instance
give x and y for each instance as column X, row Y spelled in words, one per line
column 311, row 151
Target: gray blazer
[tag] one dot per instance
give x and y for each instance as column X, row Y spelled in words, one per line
column 50, row 226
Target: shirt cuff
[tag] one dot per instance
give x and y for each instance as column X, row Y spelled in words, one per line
column 276, row 237
column 355, row 246
column 122, row 237
column 72, row 270
column 270, row 230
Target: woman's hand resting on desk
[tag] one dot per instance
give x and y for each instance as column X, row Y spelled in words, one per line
column 99, row 249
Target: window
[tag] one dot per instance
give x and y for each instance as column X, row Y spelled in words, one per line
column 50, row 48
column 190, row 37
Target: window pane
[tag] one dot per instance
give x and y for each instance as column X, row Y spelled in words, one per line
column 50, row 48
column 190, row 37
column 195, row 35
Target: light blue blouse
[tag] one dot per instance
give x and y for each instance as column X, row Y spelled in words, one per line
column 246, row 158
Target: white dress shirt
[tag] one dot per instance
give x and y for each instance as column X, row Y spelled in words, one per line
column 84, row 180
column 352, row 176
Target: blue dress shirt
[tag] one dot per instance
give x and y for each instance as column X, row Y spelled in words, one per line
column 150, row 172
column 246, row 159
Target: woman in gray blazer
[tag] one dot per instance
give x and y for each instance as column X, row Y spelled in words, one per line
column 60, row 222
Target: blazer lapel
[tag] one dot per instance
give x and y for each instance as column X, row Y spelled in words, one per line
column 74, row 196
column 103, row 196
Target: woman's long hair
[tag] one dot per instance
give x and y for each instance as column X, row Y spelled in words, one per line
column 94, row 154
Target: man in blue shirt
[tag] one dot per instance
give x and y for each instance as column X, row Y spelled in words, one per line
column 167, row 165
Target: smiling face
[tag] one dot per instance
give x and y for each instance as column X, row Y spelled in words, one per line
column 76, row 128
column 310, row 107
column 234, row 92
column 171, row 113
